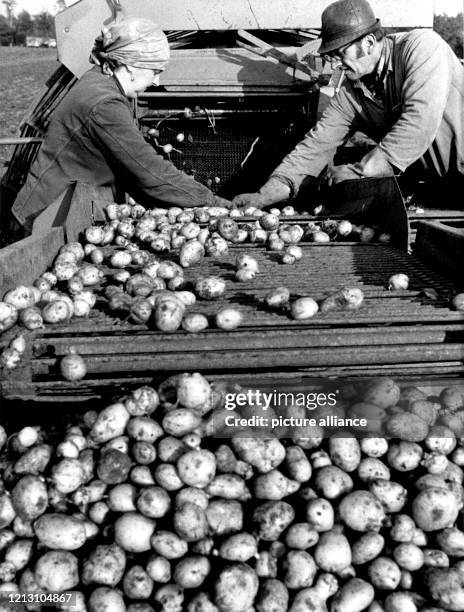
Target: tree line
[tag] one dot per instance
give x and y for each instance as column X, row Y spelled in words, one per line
column 15, row 30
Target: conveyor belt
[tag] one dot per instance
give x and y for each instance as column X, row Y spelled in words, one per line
column 412, row 331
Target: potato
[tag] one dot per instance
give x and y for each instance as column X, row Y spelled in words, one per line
column 408, row 556
column 34, row 461
column 452, row 398
column 193, row 392
column 301, row 536
column 196, row 468
column 171, row 597
column 169, row 545
column 19, row 553
column 273, row 518
column 180, row 421
column 167, row 477
column 332, row 482
column 265, row 455
column 193, row 495
column 404, row 456
column 239, row 547
column 113, row 467
column 451, row 541
column 57, row 571
column 382, row 392
column 168, row 314
column 121, row 498
column 440, row 439
column 345, row 452
column 274, row 485
column 434, row 509
column 300, row 569
column 407, row 426
column 191, row 253
column 153, row 502
column 367, row 547
column 371, row 468
column 228, row 318
column 210, row 287
column 236, row 588
column 314, row 598
column 132, row 531
column 354, row 596
column 137, row 584
column 384, row 574
column 159, row 569
column 278, row 298
column 194, row 322
column 144, row 429
column 333, row 552
column 103, row 599
column 30, row 497
column 361, row 511
column 111, row 423
column 400, row 602
column 435, row 558
column 190, row 522
column 143, row 453
column 391, row 495
column 67, row 475
column 190, row 572
column 304, row 308
column 224, row 516
column 273, row 597
column 170, row 449
column 266, row 564
column 60, row 531
column 446, row 588
column 320, row 513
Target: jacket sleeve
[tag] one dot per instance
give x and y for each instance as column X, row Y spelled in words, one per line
column 427, row 79
column 113, row 130
column 312, row 154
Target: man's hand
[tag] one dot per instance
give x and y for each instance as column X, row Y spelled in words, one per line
column 338, row 174
column 222, row 202
column 244, row 200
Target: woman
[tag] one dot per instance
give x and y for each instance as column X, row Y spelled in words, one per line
column 93, row 138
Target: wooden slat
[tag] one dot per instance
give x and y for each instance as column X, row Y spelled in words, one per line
column 22, row 262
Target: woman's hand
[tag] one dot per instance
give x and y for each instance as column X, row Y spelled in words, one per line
column 244, row 200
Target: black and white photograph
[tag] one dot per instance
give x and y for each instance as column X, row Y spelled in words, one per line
column 232, row 305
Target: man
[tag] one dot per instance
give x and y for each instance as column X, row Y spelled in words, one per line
column 405, row 91
column 93, row 138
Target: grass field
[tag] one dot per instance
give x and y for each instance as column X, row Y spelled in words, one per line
column 23, row 73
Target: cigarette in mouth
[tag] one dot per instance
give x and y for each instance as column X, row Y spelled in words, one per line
column 340, row 81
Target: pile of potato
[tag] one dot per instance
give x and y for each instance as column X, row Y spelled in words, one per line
column 144, row 506
column 135, row 266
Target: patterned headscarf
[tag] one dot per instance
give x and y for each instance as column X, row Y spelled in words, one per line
column 133, row 42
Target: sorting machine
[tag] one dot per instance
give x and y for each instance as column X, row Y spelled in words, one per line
column 242, row 87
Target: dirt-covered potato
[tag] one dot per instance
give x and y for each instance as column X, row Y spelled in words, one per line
column 190, row 572
column 434, row 509
column 272, row 597
column 57, row 571
column 239, row 547
column 59, row 531
column 197, row 468
column 391, row 494
column 345, row 452
column 190, row 522
column 30, row 497
column 333, row 482
column 132, row 531
column 236, row 588
column 105, row 565
column 384, row 574
column 446, row 588
column 301, row 536
column 273, row 518
column 137, row 584
column 362, row 511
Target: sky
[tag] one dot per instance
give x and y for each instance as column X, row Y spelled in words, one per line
column 449, row 7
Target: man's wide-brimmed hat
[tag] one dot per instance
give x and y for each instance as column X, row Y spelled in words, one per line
column 344, row 22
